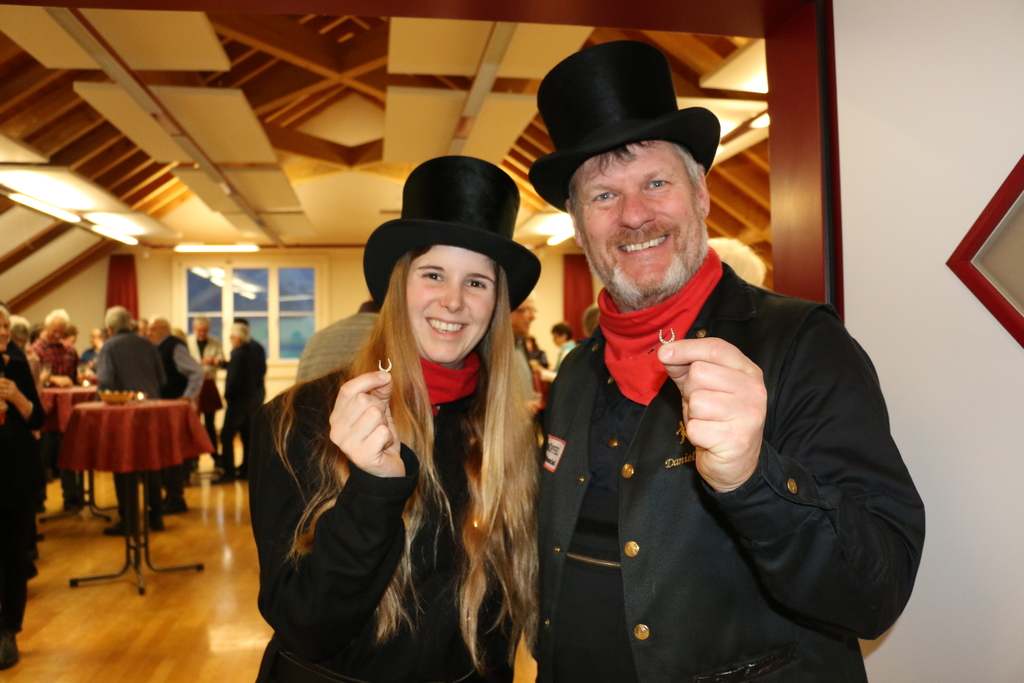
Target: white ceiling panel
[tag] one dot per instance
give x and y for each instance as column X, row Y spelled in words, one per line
column 267, row 189
column 134, row 223
column 419, row 123
column 45, row 261
column 451, row 47
column 352, row 121
column 536, row 48
column 500, row 122
column 59, row 186
column 18, row 225
column 245, row 225
column 118, row 107
column 345, row 208
column 197, row 223
column 204, row 187
column 14, row 152
column 220, row 121
column 745, row 69
column 291, row 224
column 38, row 34
column 730, row 113
column 150, row 40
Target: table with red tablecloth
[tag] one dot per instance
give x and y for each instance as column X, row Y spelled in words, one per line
column 139, row 438
column 58, row 402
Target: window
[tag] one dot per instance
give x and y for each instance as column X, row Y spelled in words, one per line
column 278, row 303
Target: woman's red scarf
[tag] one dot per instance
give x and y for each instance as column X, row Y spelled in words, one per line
column 445, row 386
column 632, row 338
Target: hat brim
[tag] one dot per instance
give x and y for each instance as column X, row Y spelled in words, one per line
column 391, row 240
column 695, row 128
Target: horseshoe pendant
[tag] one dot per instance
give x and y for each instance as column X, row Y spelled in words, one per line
column 380, row 365
column 667, row 341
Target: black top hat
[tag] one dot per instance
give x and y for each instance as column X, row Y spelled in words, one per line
column 607, row 96
column 460, row 202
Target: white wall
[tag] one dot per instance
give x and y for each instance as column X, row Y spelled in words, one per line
column 930, row 94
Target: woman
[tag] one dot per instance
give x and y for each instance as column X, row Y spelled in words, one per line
column 393, row 511
column 20, row 472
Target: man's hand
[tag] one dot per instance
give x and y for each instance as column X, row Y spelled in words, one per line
column 61, row 381
column 724, row 406
column 362, row 427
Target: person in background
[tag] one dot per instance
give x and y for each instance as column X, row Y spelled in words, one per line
column 20, row 334
column 20, row 473
column 393, row 512
column 333, row 347
column 590, row 320
column 535, row 354
column 90, row 355
column 35, row 332
column 260, row 354
column 71, row 336
column 209, row 352
column 244, row 391
column 721, row 497
column 521, row 318
column 142, row 327
column 184, row 378
column 59, row 363
column 128, row 362
column 741, row 258
column 561, row 335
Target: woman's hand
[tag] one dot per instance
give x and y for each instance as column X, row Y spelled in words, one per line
column 10, row 394
column 362, row 427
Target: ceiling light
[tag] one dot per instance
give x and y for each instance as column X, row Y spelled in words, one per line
column 47, row 189
column 45, row 208
column 118, row 222
column 761, row 121
column 114, row 234
column 215, row 248
column 557, row 226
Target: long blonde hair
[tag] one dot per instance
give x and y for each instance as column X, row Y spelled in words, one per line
column 498, row 534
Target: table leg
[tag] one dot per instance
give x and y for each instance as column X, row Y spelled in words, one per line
column 132, row 541
column 145, row 527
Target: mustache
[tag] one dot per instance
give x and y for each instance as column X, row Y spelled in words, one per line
column 646, row 234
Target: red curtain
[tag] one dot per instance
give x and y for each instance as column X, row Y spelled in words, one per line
column 578, row 291
column 122, row 288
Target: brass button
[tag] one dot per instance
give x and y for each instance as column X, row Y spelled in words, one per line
column 582, row 479
column 594, row 347
column 558, row 548
column 701, row 334
column 613, row 442
column 627, row 470
column 611, row 380
column 547, row 622
column 642, row 632
column 791, row 485
column 632, row 549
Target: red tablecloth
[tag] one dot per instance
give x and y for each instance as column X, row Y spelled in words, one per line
column 147, row 435
column 58, row 402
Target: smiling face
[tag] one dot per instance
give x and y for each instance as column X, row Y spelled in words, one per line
column 641, row 223
column 450, row 294
column 5, row 330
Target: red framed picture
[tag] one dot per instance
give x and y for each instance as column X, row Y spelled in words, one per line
column 990, row 258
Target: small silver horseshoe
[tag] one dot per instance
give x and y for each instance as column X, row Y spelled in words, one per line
column 662, row 339
column 380, row 365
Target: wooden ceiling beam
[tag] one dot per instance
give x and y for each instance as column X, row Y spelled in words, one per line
column 32, row 245
column 687, row 48
column 60, row 276
column 281, row 84
column 294, row 142
column 152, row 189
column 87, row 146
column 163, row 203
column 107, row 159
column 73, row 126
column 747, row 177
column 368, row 153
column 124, row 170
column 142, row 181
column 41, row 113
column 9, row 49
column 24, row 83
column 741, row 208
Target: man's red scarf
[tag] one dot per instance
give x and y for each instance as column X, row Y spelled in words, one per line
column 445, row 385
column 631, row 352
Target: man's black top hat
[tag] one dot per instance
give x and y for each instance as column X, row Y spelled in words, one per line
column 460, row 202
column 609, row 95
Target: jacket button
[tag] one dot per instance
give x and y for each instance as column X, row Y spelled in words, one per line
column 632, row 549
column 547, row 622
column 558, row 548
column 582, row 479
column 611, row 380
column 594, row 347
column 627, row 471
column 701, row 334
column 791, row 485
column 642, row 632
column 613, row 442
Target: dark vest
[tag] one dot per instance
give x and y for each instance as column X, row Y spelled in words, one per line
column 176, row 382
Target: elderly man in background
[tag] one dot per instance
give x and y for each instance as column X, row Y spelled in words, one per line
column 92, row 353
column 210, row 353
column 184, row 379
column 128, row 362
column 244, row 391
column 59, row 363
column 521, row 318
column 334, row 346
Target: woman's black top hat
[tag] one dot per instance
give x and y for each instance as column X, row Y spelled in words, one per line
column 460, row 202
column 607, row 96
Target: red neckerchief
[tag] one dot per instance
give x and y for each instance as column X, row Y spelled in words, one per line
column 445, row 386
column 631, row 352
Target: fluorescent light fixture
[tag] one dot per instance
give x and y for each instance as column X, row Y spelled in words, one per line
column 47, row 189
column 215, row 248
column 114, row 234
column 118, row 222
column 44, row 207
column 557, row 226
column 761, row 121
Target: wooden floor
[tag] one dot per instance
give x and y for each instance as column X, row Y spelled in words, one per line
column 189, row 626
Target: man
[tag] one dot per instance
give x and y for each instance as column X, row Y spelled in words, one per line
column 521, row 318
column 334, row 346
column 184, row 379
column 721, row 499
column 128, row 362
column 210, row 354
column 59, row 363
column 90, row 355
column 244, row 392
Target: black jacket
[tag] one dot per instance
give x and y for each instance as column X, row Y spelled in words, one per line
column 20, row 468
column 821, row 546
column 323, row 607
